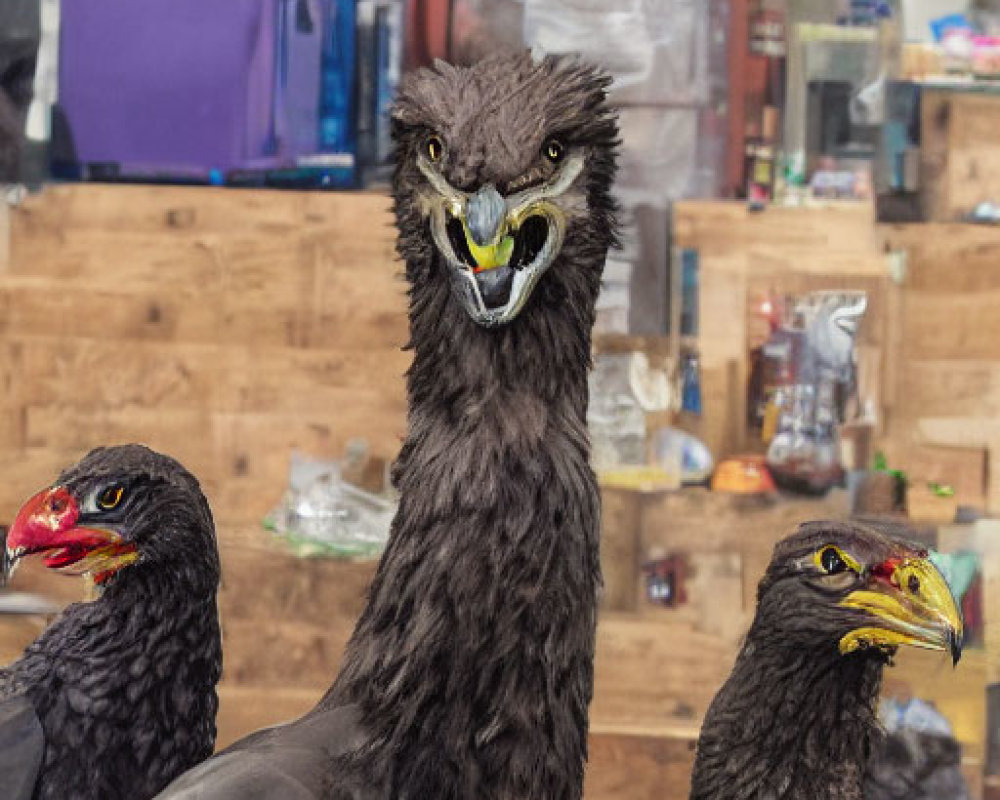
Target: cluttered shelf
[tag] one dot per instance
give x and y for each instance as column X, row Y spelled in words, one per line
column 926, row 370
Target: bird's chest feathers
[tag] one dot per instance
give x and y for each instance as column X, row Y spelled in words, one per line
column 124, row 714
column 476, row 648
column 783, row 730
column 499, row 458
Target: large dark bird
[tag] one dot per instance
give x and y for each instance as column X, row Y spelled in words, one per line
column 797, row 719
column 470, row 671
column 117, row 697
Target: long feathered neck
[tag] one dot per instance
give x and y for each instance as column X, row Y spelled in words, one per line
column 125, row 687
column 791, row 723
column 473, row 661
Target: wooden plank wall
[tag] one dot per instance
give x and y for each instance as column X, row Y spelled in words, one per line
column 225, row 327
column 949, row 391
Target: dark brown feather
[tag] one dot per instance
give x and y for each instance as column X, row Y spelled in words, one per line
column 470, row 670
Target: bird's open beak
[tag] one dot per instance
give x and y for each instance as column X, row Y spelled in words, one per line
column 911, row 603
column 498, row 247
column 46, row 525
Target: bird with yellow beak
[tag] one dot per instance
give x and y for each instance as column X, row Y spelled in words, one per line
column 796, row 720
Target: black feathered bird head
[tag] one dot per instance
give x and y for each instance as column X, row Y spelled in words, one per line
column 858, row 587
column 502, row 184
column 118, row 509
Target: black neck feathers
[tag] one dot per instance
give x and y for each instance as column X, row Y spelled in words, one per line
column 473, row 660
column 125, row 688
column 790, row 724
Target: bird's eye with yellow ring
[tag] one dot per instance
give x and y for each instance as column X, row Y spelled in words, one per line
column 832, row 560
column 434, row 148
column 554, row 150
column 111, row 497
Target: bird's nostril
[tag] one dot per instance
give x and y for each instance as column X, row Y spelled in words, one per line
column 913, row 584
column 57, row 504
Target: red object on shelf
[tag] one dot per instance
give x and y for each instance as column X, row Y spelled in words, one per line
column 756, row 95
column 428, row 25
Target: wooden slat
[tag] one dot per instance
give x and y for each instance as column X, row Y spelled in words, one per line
column 953, row 325
column 4, row 236
column 947, row 363
column 638, row 767
column 226, row 327
column 974, row 152
column 156, row 209
column 951, row 388
column 935, row 129
column 620, row 522
column 946, row 257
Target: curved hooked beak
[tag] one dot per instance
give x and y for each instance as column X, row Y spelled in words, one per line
column 47, row 524
column 498, row 247
column 911, row 604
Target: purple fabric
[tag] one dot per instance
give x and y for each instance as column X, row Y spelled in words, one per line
column 168, row 84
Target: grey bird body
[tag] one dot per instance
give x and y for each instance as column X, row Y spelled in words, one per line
column 291, row 762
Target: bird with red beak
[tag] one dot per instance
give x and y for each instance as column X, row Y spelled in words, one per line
column 118, row 695
column 50, row 525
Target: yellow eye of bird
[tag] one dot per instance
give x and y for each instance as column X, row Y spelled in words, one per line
column 110, row 497
column 554, row 151
column 435, row 148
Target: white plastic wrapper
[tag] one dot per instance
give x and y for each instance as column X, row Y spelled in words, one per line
column 657, row 50
column 320, row 514
column 615, row 418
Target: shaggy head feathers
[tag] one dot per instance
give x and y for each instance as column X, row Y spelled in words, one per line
column 493, row 119
column 495, row 116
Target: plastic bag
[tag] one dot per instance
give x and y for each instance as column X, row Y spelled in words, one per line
column 656, row 50
column 322, row 515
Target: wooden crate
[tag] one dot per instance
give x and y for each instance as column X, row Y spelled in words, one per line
column 960, row 152
column 948, row 354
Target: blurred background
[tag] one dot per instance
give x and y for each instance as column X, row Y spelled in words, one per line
column 196, row 252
